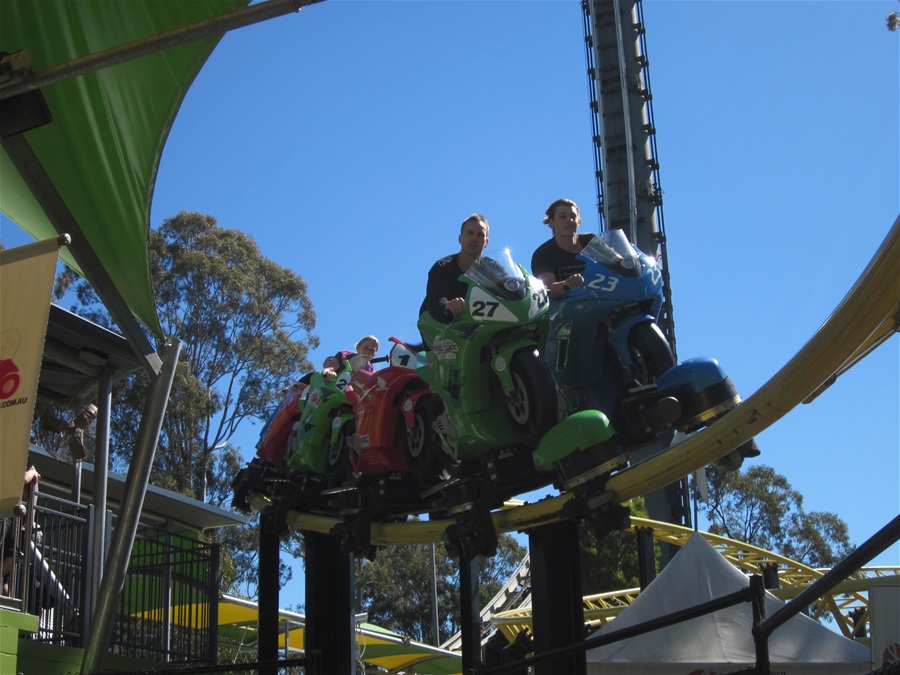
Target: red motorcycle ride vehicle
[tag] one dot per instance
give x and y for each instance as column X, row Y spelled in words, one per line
column 391, row 431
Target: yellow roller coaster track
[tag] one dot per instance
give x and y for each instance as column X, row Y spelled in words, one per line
column 793, row 577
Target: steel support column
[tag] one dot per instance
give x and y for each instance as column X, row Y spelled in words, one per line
column 646, row 550
column 101, row 475
column 470, row 614
column 329, row 605
column 130, row 512
column 269, row 552
column 558, row 613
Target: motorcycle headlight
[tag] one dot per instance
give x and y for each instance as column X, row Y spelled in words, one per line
column 513, row 285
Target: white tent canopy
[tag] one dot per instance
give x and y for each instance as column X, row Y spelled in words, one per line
column 721, row 641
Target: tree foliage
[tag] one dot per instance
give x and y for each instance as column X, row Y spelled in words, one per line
column 239, row 567
column 239, row 316
column 610, row 564
column 245, row 324
column 394, row 589
column 760, row 507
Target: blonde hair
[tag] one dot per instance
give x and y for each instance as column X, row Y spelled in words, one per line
column 367, row 338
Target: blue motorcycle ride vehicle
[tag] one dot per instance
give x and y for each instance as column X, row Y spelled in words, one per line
column 608, row 354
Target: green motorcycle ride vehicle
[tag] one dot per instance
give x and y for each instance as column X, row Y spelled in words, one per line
column 485, row 365
column 496, row 397
column 324, row 410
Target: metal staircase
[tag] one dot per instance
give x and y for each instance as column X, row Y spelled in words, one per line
column 516, row 593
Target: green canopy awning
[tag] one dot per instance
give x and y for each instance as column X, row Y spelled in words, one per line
column 101, row 151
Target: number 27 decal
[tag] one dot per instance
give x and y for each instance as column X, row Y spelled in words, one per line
column 483, row 308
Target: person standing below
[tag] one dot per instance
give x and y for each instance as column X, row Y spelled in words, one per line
column 554, row 261
column 445, row 295
column 14, row 527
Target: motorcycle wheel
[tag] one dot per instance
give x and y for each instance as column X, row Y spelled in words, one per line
column 424, row 451
column 532, row 407
column 337, row 463
column 650, row 352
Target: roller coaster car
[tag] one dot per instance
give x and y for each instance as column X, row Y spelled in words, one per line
column 495, row 390
column 264, row 469
column 392, row 428
column 324, row 412
column 607, row 353
column 388, row 452
column 273, row 439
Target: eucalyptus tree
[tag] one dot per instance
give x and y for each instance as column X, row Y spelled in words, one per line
column 395, row 588
column 759, row 506
column 245, row 323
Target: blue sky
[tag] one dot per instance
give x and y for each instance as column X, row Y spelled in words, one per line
column 351, row 139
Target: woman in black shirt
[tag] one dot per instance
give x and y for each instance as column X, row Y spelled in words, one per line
column 554, row 261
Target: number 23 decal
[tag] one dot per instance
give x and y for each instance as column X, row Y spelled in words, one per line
column 604, row 283
column 608, row 284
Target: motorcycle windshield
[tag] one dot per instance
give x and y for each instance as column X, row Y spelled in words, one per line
column 612, row 248
column 499, row 275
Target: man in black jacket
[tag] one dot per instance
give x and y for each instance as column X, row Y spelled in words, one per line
column 445, row 293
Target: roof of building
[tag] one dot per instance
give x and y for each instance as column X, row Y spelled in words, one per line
column 163, row 509
column 75, row 352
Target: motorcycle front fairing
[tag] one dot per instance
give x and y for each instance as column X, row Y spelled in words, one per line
column 501, row 291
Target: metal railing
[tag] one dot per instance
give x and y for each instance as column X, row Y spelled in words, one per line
column 58, row 555
column 44, row 566
column 168, row 608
